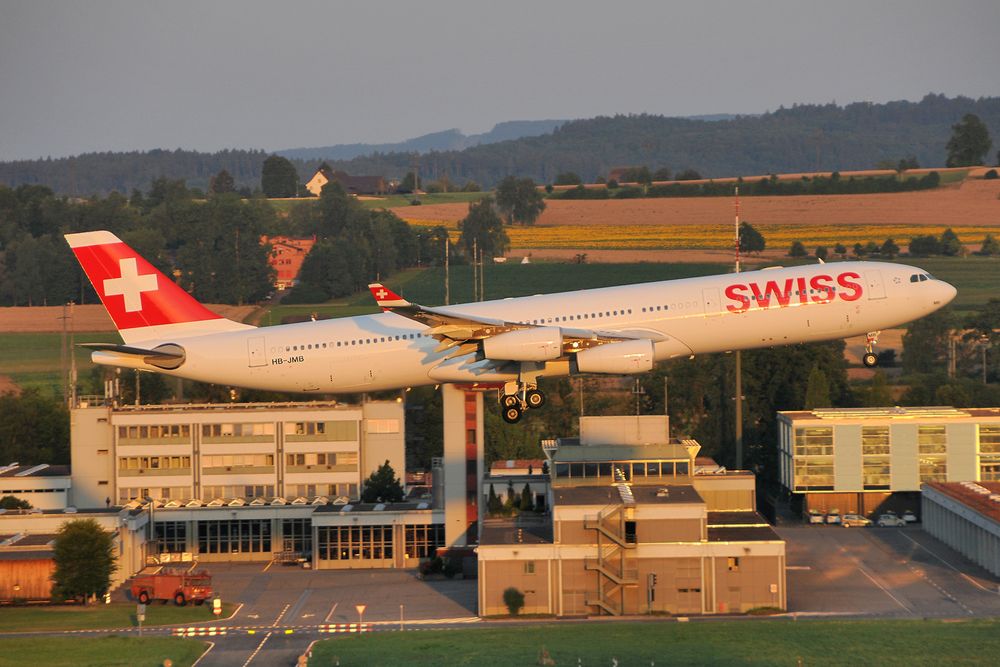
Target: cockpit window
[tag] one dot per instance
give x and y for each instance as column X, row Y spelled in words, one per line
column 914, row 278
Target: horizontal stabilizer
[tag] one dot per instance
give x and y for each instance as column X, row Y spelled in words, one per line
column 167, row 356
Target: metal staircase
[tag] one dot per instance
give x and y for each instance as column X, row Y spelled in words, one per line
column 614, row 567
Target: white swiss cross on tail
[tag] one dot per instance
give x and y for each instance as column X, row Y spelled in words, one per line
column 386, row 298
column 130, row 284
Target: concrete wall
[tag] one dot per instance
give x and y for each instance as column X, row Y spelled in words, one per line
column 93, row 458
column 963, row 529
column 624, row 430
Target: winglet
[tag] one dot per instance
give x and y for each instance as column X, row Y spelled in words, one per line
column 386, row 298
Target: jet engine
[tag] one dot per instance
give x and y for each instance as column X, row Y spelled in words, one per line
column 631, row 356
column 536, row 344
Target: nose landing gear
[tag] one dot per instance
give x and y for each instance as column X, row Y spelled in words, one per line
column 870, row 359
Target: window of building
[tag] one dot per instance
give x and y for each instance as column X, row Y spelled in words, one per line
column 234, row 536
column 153, row 462
column 155, row 432
column 354, row 542
column 237, row 460
column 383, row 425
column 296, row 536
column 989, row 452
column 875, row 462
column 932, row 444
column 171, row 537
column 529, row 567
column 814, row 441
column 733, row 564
column 422, row 541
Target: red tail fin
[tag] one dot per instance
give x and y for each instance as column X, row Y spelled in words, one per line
column 143, row 302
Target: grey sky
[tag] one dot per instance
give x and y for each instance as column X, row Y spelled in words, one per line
column 126, row 75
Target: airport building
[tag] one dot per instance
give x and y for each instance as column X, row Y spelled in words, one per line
column 862, row 460
column 45, row 487
column 633, row 528
column 966, row 517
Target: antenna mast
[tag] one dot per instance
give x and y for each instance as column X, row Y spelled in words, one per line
column 739, row 360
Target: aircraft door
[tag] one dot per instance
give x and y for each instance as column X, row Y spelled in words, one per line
column 876, row 288
column 257, row 351
column 710, row 297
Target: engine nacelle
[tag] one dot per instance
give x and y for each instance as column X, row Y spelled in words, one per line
column 536, row 344
column 631, row 356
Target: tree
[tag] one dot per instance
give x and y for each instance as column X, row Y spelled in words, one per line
column 841, row 250
column 514, row 599
column 382, row 486
column 639, row 175
column 859, row 251
column 797, row 250
column 14, row 503
column 751, row 241
column 410, row 183
column 877, row 394
column 527, row 502
column 33, row 428
column 990, row 247
column 970, row 142
column 278, row 177
column 925, row 343
column 493, row 503
column 84, row 555
column 951, row 246
column 889, row 249
column 483, row 229
column 817, row 390
column 925, row 245
column 688, row 175
column 821, row 252
column 568, row 178
column 662, row 174
column 519, row 200
column 222, row 183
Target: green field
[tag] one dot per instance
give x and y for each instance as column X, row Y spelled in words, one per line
column 112, row 616
column 778, row 642
column 390, row 201
column 99, row 651
column 34, row 359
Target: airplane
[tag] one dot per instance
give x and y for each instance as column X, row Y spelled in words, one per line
column 508, row 343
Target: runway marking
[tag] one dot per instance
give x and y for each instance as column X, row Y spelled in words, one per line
column 964, row 575
column 201, row 657
column 257, row 650
column 884, row 589
column 280, row 616
column 429, row 621
column 798, row 567
column 332, row 609
column 268, row 566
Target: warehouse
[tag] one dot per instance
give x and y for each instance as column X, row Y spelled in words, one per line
column 966, row 517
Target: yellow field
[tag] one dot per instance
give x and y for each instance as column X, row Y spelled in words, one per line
column 671, row 237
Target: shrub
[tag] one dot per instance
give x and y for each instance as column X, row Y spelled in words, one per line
column 797, row 250
column 514, row 599
column 991, row 175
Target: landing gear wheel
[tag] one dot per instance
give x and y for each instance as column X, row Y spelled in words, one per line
column 534, row 398
column 870, row 359
column 510, row 401
column 512, row 414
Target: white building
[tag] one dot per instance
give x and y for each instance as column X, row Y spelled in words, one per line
column 44, row 486
column 231, row 452
column 855, row 458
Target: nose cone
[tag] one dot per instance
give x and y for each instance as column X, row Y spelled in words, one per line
column 944, row 294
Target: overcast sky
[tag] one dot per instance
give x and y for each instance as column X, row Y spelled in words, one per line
column 124, row 75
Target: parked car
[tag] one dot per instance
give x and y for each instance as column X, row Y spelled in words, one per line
column 910, row 517
column 815, row 516
column 855, row 520
column 890, row 520
column 833, row 516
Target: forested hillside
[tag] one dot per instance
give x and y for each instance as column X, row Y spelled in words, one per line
column 802, row 138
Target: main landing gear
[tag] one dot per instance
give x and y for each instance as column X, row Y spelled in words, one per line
column 517, row 397
column 870, row 359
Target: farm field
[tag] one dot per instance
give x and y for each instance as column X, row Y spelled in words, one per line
column 99, row 651
column 779, row 642
column 972, row 203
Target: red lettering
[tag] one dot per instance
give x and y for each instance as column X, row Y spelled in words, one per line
column 734, row 293
column 844, row 281
column 824, row 288
column 771, row 289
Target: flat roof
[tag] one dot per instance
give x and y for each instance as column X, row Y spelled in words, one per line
column 39, row 470
column 735, row 518
column 650, row 494
column 891, row 413
column 743, row 534
column 668, row 451
column 507, row 531
column 232, row 407
column 972, row 497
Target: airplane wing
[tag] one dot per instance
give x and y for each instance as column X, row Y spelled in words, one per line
column 455, row 329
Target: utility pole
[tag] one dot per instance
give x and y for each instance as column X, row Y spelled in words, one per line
column 475, row 272
column 447, row 275
column 739, row 360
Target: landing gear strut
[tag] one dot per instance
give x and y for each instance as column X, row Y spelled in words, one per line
column 518, row 397
column 870, row 359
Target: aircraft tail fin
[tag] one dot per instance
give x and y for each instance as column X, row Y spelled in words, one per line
column 143, row 303
column 386, row 298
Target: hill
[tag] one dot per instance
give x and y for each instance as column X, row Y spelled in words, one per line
column 448, row 140
column 802, row 138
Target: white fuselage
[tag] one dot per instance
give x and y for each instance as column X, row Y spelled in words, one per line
column 753, row 309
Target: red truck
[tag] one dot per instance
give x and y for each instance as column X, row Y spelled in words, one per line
column 180, row 586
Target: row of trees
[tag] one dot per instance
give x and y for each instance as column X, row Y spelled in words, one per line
column 947, row 244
